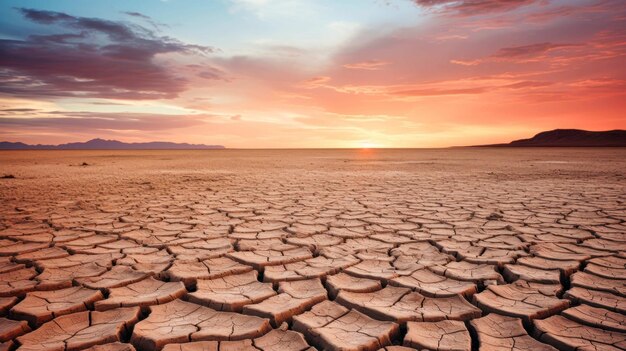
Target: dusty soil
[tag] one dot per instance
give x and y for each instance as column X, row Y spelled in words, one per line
column 452, row 249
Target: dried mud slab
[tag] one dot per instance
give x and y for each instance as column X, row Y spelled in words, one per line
column 115, row 346
column 597, row 298
column 153, row 262
column 440, row 336
column 566, row 252
column 7, row 345
column 190, row 271
column 317, row 267
column 9, row 248
column 43, row 254
column 265, row 244
column 513, row 272
column 231, row 293
column 306, row 228
column 196, row 346
column 401, row 305
column 482, row 274
column 294, row 298
column 180, row 321
column 565, row 334
column 80, row 330
column 315, row 242
column 6, row 265
column 18, row 282
column 41, row 306
column 374, row 269
column 615, row 262
column 597, row 317
column 282, row 340
column 10, row 329
column 102, row 260
column 275, row 340
column 143, row 293
column 261, row 258
column 6, row 303
column 605, row 245
column 527, row 302
column 58, row 278
column 116, row 277
column 354, row 246
column 430, row 284
column 201, row 249
column 342, row 281
column 90, row 241
column 330, row 326
column 592, row 281
column 481, row 255
column 502, row 333
column 606, row 272
column 567, row 268
column 422, row 252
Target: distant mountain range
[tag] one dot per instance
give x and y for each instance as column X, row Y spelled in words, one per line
column 552, row 138
column 572, row 138
column 101, row 144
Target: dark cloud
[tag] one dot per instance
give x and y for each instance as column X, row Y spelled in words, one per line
column 66, row 38
column 473, row 7
column 117, row 31
column 45, row 17
column 97, row 58
column 524, row 54
column 146, row 18
column 14, row 110
column 528, row 50
column 136, row 14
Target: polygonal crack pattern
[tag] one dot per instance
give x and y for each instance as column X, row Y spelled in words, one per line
column 323, row 251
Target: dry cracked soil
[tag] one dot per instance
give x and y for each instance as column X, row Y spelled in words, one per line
column 292, row 250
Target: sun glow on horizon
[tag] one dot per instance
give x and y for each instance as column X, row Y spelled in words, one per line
column 299, row 74
column 369, row 145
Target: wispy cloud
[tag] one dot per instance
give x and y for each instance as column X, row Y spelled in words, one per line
column 370, row 65
column 473, row 7
column 94, row 122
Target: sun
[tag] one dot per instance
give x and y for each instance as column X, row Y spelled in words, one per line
column 368, row 145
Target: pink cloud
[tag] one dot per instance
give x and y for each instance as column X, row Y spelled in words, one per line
column 474, row 7
column 528, row 52
column 316, row 82
column 367, row 65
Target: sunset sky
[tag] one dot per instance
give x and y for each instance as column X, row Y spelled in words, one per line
column 310, row 73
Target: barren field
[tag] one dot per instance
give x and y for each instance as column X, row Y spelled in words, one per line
column 292, row 250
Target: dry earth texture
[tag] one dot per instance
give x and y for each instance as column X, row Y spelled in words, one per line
column 458, row 249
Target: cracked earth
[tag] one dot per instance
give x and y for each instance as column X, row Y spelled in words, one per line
column 458, row 249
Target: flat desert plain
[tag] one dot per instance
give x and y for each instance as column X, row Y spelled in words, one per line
column 291, row 250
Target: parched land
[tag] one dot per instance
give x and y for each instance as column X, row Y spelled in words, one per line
column 457, row 249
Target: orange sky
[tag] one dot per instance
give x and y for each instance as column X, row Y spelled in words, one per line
column 290, row 73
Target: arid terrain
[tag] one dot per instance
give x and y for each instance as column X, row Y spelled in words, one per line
column 292, row 250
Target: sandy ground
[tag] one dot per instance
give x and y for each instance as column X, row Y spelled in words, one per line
column 443, row 249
